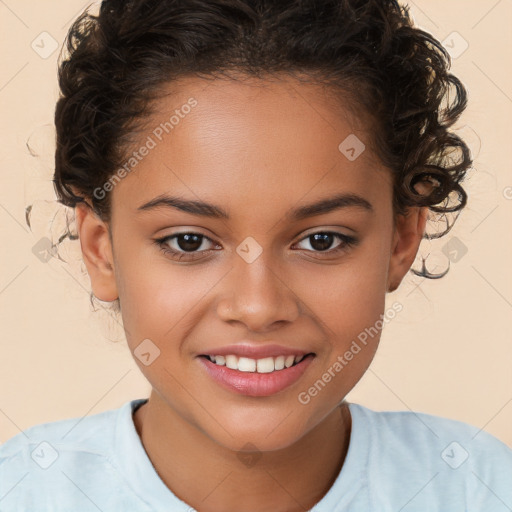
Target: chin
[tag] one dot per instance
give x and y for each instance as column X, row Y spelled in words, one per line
column 266, row 437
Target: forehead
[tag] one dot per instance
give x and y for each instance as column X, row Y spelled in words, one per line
column 251, row 144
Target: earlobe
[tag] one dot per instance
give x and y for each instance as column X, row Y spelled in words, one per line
column 97, row 252
column 407, row 237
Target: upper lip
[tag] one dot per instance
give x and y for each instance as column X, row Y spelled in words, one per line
column 255, row 351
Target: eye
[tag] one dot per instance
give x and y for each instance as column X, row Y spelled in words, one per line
column 322, row 240
column 186, row 245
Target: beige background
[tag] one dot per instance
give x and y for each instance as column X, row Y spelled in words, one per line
column 447, row 353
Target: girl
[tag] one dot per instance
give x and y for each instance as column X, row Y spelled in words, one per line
column 250, row 179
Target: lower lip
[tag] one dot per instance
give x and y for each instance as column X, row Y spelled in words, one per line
column 253, row 383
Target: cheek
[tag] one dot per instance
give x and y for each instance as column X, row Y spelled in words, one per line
column 349, row 302
column 348, row 296
column 159, row 299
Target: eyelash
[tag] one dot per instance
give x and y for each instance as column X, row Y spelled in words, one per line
column 347, row 242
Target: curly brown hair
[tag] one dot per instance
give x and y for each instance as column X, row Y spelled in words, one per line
column 368, row 50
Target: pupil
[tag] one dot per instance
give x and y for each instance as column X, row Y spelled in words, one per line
column 192, row 242
column 322, row 240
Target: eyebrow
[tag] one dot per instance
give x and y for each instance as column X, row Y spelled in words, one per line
column 205, row 209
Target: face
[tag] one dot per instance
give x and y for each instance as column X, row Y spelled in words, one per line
column 256, row 267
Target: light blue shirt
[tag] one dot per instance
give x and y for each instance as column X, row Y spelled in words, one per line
column 397, row 461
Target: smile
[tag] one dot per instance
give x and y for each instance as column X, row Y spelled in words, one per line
column 255, row 377
column 264, row 365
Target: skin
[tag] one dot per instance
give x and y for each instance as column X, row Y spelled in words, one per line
column 257, row 152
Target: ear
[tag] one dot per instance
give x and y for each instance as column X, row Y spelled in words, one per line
column 97, row 252
column 407, row 237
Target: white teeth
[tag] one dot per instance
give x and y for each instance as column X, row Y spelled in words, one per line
column 232, row 362
column 279, row 363
column 246, row 365
column 289, row 361
column 264, row 365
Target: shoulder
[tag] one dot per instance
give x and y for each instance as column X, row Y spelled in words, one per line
column 415, row 428
column 66, row 433
column 419, row 432
column 444, row 457
column 47, row 461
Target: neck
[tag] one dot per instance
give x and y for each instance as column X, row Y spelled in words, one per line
column 211, row 478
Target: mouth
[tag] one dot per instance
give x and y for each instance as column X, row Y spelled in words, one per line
column 256, row 377
column 263, row 365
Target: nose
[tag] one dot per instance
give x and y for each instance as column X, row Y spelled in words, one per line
column 258, row 296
